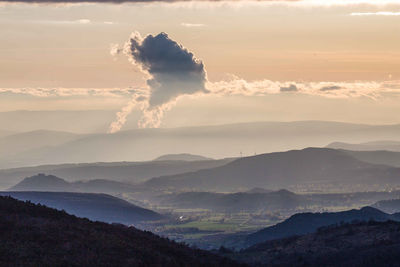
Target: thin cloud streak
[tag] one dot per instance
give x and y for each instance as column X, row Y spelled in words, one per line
column 382, row 13
column 305, row 3
column 192, row 25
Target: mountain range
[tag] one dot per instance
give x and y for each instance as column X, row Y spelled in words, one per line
column 212, row 141
column 51, row 183
column 368, row 146
column 307, row 169
column 130, row 172
column 310, row 167
column 181, row 157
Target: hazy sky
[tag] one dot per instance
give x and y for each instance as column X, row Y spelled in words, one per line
column 301, row 60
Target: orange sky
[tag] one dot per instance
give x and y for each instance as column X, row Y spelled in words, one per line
column 51, row 46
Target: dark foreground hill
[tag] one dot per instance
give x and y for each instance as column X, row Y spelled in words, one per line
column 304, row 223
column 359, row 244
column 34, row 235
column 97, row 207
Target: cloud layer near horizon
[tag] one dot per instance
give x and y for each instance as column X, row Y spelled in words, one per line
column 234, row 87
column 274, row 2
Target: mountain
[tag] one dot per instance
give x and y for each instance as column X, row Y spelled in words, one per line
column 14, row 148
column 96, row 207
column 22, row 142
column 34, row 235
column 368, row 146
column 131, row 172
column 384, row 157
column 43, row 182
column 304, row 223
column 4, row 133
column 181, row 157
column 307, row 168
column 389, row 206
column 366, row 244
column 218, row 141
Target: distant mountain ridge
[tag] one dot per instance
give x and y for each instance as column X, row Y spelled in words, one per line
column 382, row 157
column 282, row 170
column 43, row 182
column 181, row 157
column 218, row 141
column 132, row 172
column 368, row 146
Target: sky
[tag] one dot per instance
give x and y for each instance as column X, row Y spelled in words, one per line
column 196, row 63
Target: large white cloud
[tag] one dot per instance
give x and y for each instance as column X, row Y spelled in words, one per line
column 172, row 70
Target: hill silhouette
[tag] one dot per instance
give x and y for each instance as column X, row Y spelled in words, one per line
column 43, row 182
column 304, row 223
column 131, row 172
column 358, row 244
column 181, row 157
column 97, row 207
column 368, row 146
column 35, row 235
column 217, row 141
column 282, row 170
column 390, row 205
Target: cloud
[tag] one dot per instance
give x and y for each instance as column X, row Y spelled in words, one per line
column 192, row 25
column 82, row 21
column 381, row 13
column 69, row 92
column 300, row 3
column 330, row 88
column 172, row 70
column 115, row 49
column 290, row 88
column 152, row 117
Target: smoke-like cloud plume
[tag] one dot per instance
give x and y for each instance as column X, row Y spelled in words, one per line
column 172, row 71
